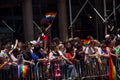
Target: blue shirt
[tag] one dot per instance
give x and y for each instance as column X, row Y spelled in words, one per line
column 37, row 56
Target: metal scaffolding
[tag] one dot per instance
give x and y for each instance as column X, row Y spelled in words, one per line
column 104, row 18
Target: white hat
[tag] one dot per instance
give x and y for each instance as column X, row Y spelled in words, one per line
column 107, row 36
column 33, row 42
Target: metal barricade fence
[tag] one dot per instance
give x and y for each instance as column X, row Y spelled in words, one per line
column 81, row 70
column 10, row 72
column 47, row 70
column 54, row 70
column 94, row 70
column 41, row 70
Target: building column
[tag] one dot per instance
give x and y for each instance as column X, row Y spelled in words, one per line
column 28, row 20
column 63, row 23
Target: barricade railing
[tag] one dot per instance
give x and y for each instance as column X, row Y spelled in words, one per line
column 59, row 70
column 94, row 70
column 10, row 72
column 82, row 70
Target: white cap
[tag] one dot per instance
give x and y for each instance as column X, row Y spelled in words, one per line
column 33, row 42
column 107, row 36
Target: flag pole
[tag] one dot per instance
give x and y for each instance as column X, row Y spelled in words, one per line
column 53, row 19
column 37, row 26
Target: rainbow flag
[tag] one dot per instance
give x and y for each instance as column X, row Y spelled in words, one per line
column 38, row 40
column 112, row 73
column 86, row 42
column 50, row 16
column 22, row 69
column 99, row 60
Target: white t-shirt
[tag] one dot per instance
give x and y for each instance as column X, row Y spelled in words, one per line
column 89, row 50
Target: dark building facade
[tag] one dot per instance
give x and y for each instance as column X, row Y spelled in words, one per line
column 17, row 17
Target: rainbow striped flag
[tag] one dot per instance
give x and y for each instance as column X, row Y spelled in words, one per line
column 22, row 69
column 99, row 60
column 50, row 16
column 112, row 73
column 38, row 40
column 86, row 42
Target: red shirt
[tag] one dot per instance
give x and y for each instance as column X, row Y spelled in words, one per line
column 69, row 56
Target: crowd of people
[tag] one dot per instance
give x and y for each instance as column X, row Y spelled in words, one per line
column 68, row 52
